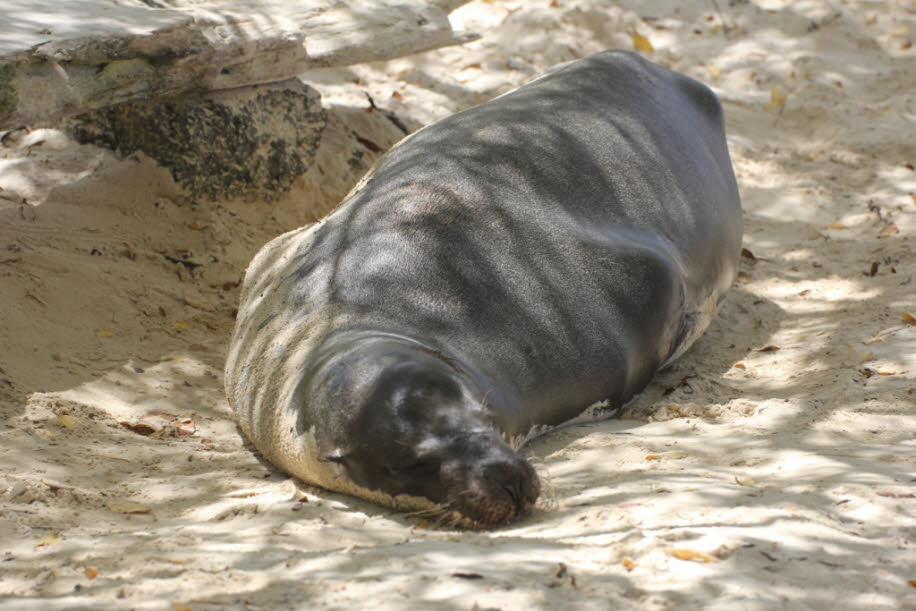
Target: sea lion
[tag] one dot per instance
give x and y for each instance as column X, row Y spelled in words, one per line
column 502, row 271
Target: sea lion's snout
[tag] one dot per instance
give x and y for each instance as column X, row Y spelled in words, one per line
column 488, row 482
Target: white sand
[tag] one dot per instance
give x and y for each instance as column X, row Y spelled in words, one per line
column 793, row 470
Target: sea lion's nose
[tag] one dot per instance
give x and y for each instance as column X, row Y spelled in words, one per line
column 488, row 482
column 518, row 480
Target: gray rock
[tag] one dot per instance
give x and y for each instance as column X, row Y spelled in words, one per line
column 249, row 142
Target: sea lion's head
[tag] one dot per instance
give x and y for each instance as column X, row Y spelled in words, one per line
column 404, row 420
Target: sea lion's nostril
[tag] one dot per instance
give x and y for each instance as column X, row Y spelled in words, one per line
column 513, row 492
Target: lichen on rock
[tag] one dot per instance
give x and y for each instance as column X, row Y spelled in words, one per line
column 8, row 96
column 247, row 142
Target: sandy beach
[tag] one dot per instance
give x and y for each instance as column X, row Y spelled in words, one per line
column 772, row 467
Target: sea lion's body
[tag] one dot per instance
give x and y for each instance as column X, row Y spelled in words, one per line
column 499, row 271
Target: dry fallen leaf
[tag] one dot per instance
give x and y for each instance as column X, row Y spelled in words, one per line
column 740, row 366
column 714, row 72
column 127, row 507
column 682, row 553
column 888, row 231
column 176, row 606
column 673, row 455
column 770, row 348
column 50, row 539
column 66, row 420
column 641, row 43
column 185, row 427
column 837, row 226
column 140, row 428
column 105, row 333
column 777, row 98
column 90, row 572
column 908, row 318
column 628, row 564
column 873, row 269
column 181, row 325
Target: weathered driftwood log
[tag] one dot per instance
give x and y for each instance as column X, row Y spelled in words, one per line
column 63, row 57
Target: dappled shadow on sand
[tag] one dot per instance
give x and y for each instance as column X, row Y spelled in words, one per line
column 788, row 492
